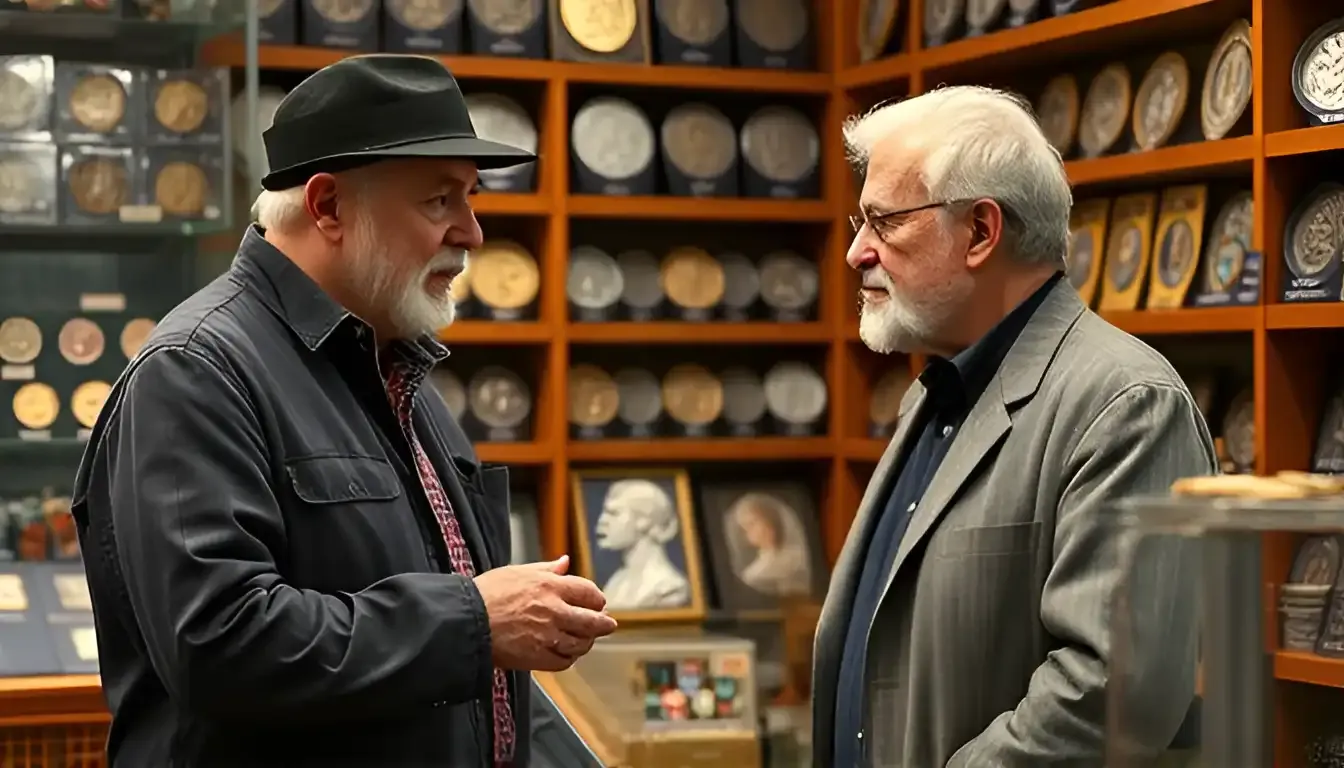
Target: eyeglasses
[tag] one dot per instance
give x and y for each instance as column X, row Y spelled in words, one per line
column 858, row 220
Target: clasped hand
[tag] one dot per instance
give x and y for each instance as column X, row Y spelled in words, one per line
column 542, row 617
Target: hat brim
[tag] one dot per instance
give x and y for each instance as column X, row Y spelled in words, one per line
column 488, row 155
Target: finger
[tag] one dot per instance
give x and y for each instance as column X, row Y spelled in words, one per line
column 574, row 647
column 582, row 622
column 581, row 592
column 551, row 661
column 559, row 565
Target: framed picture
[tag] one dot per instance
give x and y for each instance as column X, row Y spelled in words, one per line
column 638, row 543
column 764, row 544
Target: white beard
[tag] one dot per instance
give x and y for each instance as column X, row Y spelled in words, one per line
column 904, row 324
column 412, row 309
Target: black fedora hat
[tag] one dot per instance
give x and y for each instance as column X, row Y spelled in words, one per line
column 364, row 109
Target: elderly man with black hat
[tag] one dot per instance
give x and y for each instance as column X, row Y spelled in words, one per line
column 294, row 555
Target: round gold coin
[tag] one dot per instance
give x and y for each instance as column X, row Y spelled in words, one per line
column 81, row 341
column 98, row 185
column 593, row 396
column 460, row 288
column 692, row 278
column 343, row 11
column 98, row 102
column 423, row 15
column 884, row 406
column 87, row 402
column 601, row 26
column 36, row 405
column 692, row 394
column 134, row 335
column 181, row 106
column 20, row 340
column 180, row 188
column 504, row 275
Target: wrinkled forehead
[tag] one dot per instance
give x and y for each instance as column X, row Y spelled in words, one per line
column 893, row 177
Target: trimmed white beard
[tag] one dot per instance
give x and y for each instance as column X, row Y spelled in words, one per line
column 910, row 323
column 411, row 308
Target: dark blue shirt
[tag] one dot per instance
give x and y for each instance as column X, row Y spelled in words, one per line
column 953, row 386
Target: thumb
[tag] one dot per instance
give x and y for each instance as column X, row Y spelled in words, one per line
column 559, row 565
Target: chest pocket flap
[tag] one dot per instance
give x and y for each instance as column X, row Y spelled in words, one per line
column 343, row 479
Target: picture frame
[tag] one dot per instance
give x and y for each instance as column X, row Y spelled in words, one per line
column 778, row 560
column 637, row 540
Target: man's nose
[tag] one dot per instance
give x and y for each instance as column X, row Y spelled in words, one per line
column 860, row 255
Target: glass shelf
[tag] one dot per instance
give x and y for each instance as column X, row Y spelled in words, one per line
column 107, row 37
column 160, row 229
column 1197, row 515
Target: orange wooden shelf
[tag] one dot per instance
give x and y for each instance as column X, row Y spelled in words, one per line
column 1303, row 667
column 1226, row 154
column 1157, row 322
column 492, row 332
column 1111, row 25
column 864, row 449
column 676, row 332
column 530, row 454
column 229, row 51
column 711, row 449
column 511, row 204
column 1302, row 141
column 51, row 699
column 698, row 208
column 1297, row 316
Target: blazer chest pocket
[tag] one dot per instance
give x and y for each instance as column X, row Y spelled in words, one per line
column 1010, row 539
column 494, row 515
column 328, row 480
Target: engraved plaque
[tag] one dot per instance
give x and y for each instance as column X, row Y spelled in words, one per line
column 600, row 26
column 641, row 283
column 81, row 341
column 781, row 146
column 593, row 399
column 789, row 284
column 1105, row 110
column 743, row 401
column 614, row 140
column 20, row 340
column 499, row 118
column 795, row 395
column 1229, row 242
column 1057, row 111
column 1318, row 73
column 1239, row 431
column 693, row 281
column 594, row 283
column 877, row 21
column 1227, row 82
column 741, row 286
column 700, row 145
column 87, row 402
column 1160, row 103
column 450, row 388
column 641, row 400
column 500, row 400
column 692, row 396
column 505, row 278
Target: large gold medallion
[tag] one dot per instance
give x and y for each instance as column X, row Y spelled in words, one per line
column 180, row 189
column 181, row 106
column 36, row 405
column 601, row 26
column 20, row 341
column 504, row 275
column 87, row 402
column 98, row 185
column 98, row 103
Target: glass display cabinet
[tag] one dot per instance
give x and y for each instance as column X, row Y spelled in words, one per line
column 116, row 168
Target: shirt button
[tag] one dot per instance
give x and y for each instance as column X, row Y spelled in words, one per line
column 860, row 735
column 947, row 431
column 911, row 508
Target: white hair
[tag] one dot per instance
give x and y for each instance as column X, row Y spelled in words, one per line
column 279, row 210
column 980, row 143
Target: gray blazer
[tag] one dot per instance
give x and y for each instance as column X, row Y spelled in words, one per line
column 992, row 643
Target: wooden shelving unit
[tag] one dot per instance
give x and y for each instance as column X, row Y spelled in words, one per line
column 1278, row 160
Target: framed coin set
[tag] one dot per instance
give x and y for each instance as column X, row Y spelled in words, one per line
column 635, row 401
column 491, row 401
column 614, row 148
column 91, row 144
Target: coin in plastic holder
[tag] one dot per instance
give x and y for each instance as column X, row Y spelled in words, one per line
column 181, row 106
column 700, row 146
column 594, row 283
column 693, row 281
column 182, row 189
column 777, row 28
column 499, row 118
column 694, row 22
column 450, row 388
column 501, row 401
column 780, row 145
column 693, row 397
column 594, row 400
column 342, row 11
column 641, row 286
column 795, row 395
column 789, row 285
column 504, row 278
column 28, row 184
column 641, row 401
column 96, row 101
column 98, row 182
column 743, row 401
column 741, row 286
column 424, row 16
column 25, row 97
column 600, row 26
column 614, row 141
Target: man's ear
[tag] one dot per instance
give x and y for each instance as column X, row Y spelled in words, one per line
column 322, row 201
column 987, row 218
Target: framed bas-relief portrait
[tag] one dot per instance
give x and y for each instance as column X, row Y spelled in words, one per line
column 764, row 544
column 637, row 541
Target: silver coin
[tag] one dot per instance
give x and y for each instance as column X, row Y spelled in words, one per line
column 498, row 398
column 1321, row 78
column 1239, row 430
column 343, row 11
column 450, row 388
column 20, row 180
column 613, row 138
column 268, row 101
column 641, row 396
column 699, row 140
column 594, row 280
column 788, row 281
column 500, row 118
column 424, row 15
column 642, row 286
column 506, row 17
column 694, row 22
column 940, row 16
column 1318, row 236
column 21, row 101
column 780, row 144
column 1105, row 109
column 741, row 281
column 1227, row 83
column 1225, row 255
column 777, row 26
column 795, row 393
column 981, row 14
column 1161, row 100
column 743, row 396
